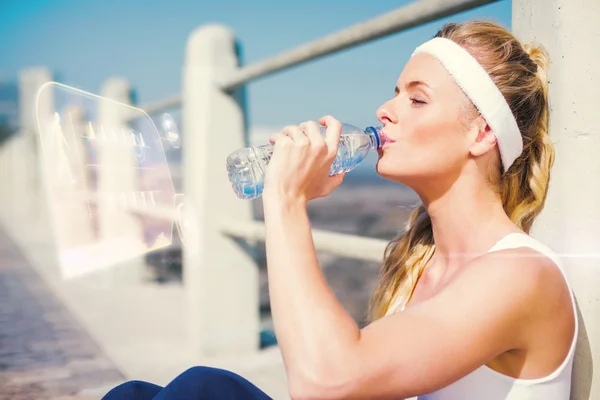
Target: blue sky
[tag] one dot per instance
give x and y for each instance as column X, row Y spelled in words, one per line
column 85, row 41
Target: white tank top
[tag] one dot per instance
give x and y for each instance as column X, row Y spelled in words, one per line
column 486, row 383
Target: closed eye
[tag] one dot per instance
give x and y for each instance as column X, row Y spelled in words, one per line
column 417, row 102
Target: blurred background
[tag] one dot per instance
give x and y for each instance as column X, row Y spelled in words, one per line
column 154, row 315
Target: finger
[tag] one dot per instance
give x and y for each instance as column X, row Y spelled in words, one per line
column 332, row 134
column 273, row 138
column 279, row 139
column 296, row 134
column 313, row 132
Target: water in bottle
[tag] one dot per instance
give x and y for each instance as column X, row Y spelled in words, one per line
column 246, row 166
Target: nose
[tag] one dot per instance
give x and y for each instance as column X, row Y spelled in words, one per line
column 385, row 114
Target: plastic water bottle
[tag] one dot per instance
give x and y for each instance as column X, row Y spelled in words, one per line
column 246, row 166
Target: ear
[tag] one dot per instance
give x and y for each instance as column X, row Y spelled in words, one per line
column 485, row 140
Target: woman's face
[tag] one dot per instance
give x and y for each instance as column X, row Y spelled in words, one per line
column 426, row 139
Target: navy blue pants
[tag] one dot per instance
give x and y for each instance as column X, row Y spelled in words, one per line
column 197, row 383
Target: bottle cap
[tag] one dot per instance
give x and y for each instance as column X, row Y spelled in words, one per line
column 375, row 132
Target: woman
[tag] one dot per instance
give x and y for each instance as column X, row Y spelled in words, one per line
column 468, row 305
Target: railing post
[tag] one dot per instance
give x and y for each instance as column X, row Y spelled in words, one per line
column 26, row 179
column 5, row 174
column 117, row 176
column 221, row 278
column 8, row 177
column 570, row 222
column 74, row 226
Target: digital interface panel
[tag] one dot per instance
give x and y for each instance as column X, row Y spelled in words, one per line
column 107, row 181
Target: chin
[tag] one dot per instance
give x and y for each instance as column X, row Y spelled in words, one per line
column 394, row 172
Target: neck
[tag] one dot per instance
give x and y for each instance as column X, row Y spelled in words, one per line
column 467, row 219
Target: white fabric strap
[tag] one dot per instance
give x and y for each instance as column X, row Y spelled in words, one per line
column 475, row 82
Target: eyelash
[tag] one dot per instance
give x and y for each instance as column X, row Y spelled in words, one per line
column 417, row 102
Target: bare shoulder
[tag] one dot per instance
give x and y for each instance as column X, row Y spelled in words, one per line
column 526, row 281
column 527, row 269
column 511, row 289
column 502, row 301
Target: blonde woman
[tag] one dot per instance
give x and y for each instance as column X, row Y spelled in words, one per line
column 468, row 306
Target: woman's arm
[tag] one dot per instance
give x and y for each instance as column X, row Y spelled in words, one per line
column 468, row 323
column 314, row 331
column 427, row 346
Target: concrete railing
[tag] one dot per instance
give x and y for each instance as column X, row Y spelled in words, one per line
column 214, row 124
column 221, row 277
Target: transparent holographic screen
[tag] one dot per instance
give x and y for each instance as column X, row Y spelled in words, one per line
column 107, row 181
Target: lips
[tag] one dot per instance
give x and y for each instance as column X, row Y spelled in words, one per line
column 385, row 139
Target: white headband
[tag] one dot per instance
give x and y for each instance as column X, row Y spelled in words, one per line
column 482, row 91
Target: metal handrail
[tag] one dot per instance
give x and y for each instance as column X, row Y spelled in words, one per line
column 403, row 18
column 409, row 16
column 156, row 211
column 170, row 102
column 338, row 244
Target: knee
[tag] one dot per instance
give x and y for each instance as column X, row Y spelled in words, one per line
column 202, row 382
column 203, row 372
column 211, row 375
column 132, row 390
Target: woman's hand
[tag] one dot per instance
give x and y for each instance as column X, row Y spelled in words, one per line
column 301, row 160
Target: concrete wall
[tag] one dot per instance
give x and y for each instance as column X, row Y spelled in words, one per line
column 570, row 223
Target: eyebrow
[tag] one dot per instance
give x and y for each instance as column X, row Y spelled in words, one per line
column 412, row 84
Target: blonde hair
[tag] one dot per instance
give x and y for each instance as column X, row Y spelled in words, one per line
column 520, row 73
